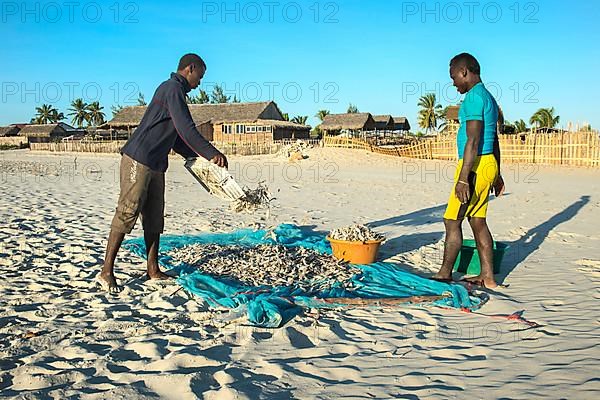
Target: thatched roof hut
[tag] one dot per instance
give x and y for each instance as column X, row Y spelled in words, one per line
column 452, row 116
column 401, row 124
column 350, row 121
column 11, row 130
column 384, row 122
column 226, row 122
column 452, row 113
column 130, row 117
column 279, row 124
column 59, row 129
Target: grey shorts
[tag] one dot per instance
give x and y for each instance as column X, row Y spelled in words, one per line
column 142, row 192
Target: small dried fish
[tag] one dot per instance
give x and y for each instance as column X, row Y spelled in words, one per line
column 355, row 233
column 253, row 200
column 270, row 265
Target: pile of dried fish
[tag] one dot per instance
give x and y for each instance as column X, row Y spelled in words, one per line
column 253, row 200
column 300, row 147
column 355, row 233
column 272, row 265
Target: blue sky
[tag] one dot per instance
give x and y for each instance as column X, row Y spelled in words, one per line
column 381, row 56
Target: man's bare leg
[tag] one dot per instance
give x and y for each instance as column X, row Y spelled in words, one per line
column 152, row 241
column 107, row 276
column 485, row 248
column 452, row 246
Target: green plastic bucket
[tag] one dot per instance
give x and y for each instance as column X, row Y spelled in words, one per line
column 468, row 262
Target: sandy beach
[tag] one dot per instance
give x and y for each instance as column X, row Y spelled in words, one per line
column 61, row 337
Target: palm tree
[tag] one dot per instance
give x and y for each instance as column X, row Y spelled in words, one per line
column 286, row 116
column 218, row 96
column 544, row 118
column 507, row 128
column 58, row 116
column 96, row 114
column 141, row 100
column 442, row 115
column 46, row 114
column 430, row 112
column 300, row 119
column 520, row 126
column 352, row 109
column 79, row 111
column 321, row 114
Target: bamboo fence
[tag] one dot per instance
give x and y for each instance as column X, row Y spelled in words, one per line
column 13, row 141
column 564, row 148
column 114, row 146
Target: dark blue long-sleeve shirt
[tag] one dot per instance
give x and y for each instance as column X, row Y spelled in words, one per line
column 167, row 124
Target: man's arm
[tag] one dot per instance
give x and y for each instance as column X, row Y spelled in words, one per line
column 474, row 129
column 499, row 184
column 183, row 150
column 497, row 151
column 186, row 128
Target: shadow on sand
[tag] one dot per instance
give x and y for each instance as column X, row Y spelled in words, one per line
column 518, row 251
column 531, row 241
column 419, row 217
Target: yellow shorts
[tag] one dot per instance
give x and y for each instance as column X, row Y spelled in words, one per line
column 481, row 179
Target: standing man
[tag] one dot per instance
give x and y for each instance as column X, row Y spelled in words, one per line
column 166, row 125
column 477, row 173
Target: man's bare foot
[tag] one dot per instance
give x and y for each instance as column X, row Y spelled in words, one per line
column 442, row 277
column 108, row 282
column 159, row 275
column 484, row 282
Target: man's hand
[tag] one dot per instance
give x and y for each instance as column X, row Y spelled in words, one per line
column 220, row 160
column 461, row 190
column 499, row 186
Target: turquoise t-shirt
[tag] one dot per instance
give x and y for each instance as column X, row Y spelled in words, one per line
column 478, row 105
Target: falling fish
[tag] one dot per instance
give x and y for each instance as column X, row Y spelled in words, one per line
column 220, row 183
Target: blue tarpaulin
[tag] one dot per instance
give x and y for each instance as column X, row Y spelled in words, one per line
column 269, row 306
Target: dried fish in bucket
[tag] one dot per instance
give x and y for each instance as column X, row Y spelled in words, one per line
column 355, row 233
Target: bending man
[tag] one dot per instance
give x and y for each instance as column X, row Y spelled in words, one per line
column 166, row 125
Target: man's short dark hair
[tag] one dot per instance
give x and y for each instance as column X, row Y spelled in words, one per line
column 191, row 58
column 468, row 61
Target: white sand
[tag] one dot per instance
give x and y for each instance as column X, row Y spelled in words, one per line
column 148, row 342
